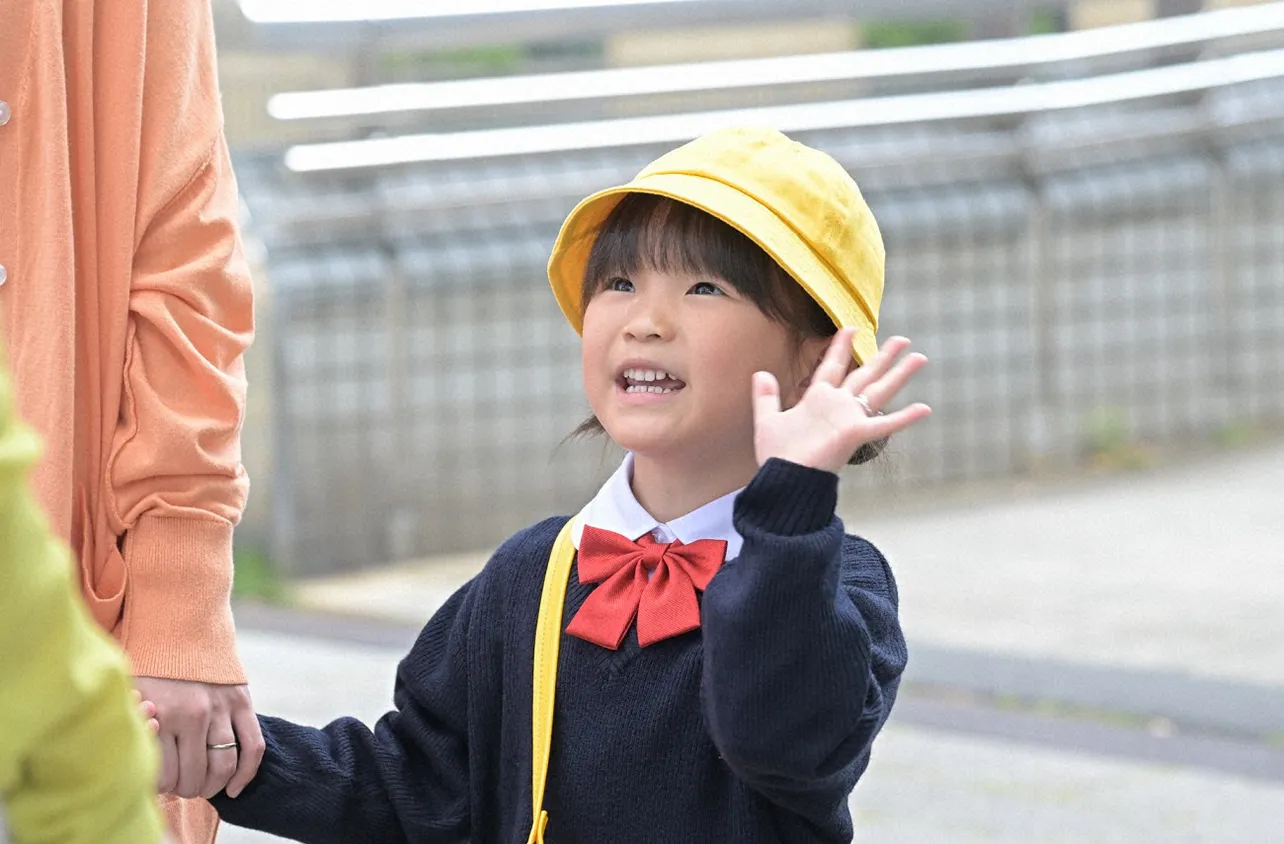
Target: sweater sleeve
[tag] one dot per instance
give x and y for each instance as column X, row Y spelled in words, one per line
column 175, row 480
column 803, row 650
column 77, row 764
column 405, row 780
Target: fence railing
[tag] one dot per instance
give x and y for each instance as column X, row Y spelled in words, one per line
column 1005, row 60
column 972, row 105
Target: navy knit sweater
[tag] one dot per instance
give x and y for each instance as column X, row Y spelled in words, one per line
column 753, row 728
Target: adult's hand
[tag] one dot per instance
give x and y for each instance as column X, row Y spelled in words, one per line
column 193, row 716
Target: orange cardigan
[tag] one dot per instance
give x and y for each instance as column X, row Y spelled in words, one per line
column 127, row 310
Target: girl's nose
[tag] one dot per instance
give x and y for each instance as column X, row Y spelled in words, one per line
column 650, row 319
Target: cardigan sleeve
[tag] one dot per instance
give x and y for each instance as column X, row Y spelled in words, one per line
column 803, row 649
column 175, row 480
column 405, row 780
column 77, row 763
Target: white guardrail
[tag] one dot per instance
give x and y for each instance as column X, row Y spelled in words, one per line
column 1015, row 54
column 1015, row 100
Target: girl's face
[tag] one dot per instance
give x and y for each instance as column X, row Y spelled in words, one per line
column 668, row 358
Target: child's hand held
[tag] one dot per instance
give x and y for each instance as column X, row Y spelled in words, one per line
column 838, row 412
column 148, row 710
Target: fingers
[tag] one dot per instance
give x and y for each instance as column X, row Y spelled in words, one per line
column 859, row 380
column 766, row 395
column 833, row 366
column 878, row 427
column 222, row 762
column 881, row 392
column 879, row 381
column 247, row 730
column 168, row 779
column 149, row 714
column 193, row 759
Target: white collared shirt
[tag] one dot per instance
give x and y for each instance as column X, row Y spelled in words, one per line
column 616, row 508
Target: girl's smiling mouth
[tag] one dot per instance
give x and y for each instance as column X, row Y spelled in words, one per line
column 649, row 380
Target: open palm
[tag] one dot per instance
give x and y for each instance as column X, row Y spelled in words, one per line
column 839, row 412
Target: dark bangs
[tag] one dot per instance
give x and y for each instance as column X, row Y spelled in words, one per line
column 648, row 232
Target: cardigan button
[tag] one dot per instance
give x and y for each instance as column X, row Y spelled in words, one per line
column 4, row 275
column 5, row 112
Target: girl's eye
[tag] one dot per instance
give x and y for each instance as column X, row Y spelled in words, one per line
column 706, row 288
column 620, row 285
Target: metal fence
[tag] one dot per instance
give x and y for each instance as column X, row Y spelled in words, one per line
column 1081, row 278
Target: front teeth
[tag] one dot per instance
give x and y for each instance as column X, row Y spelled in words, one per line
column 646, row 374
column 637, row 381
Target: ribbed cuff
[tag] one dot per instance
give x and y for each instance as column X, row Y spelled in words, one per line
column 178, row 614
column 788, row 499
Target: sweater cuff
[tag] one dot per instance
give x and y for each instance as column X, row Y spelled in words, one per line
column 178, row 614
column 788, row 499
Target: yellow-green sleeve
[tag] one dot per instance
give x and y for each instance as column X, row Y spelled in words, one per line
column 77, row 762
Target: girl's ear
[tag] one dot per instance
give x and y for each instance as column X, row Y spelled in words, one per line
column 810, row 353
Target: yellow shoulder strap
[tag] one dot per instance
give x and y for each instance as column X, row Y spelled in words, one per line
column 548, row 637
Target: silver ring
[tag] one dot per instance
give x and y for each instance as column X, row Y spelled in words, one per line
column 864, row 404
column 228, row 746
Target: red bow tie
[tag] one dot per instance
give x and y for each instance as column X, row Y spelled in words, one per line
column 652, row 581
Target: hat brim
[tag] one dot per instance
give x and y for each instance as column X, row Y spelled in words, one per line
column 735, row 208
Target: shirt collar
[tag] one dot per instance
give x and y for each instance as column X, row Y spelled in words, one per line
column 615, row 508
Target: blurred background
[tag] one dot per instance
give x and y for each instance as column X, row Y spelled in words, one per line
column 1083, row 204
column 1085, row 232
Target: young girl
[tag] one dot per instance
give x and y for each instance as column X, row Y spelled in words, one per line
column 726, row 654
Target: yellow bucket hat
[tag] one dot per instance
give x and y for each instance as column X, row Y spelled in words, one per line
column 795, row 202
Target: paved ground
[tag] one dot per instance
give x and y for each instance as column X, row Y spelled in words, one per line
column 1152, row 599
column 925, row 784
column 937, row 786
column 1179, row 570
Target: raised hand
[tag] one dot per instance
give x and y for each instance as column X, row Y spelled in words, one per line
column 838, row 412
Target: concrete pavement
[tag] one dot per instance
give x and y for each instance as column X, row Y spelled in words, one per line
column 925, row 784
